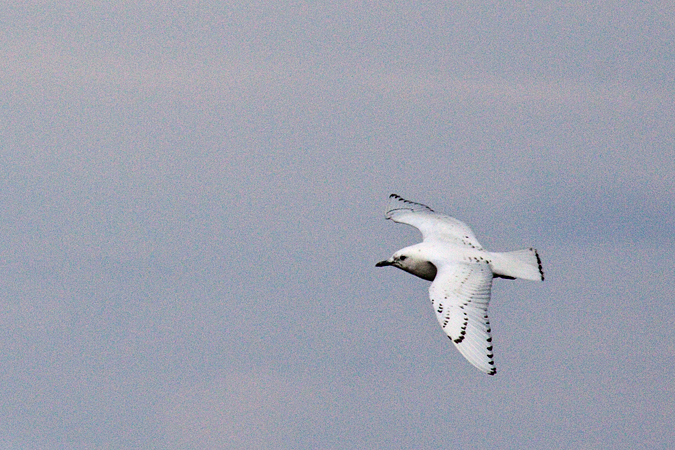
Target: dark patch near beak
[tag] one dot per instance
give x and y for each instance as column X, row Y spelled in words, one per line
column 384, row 263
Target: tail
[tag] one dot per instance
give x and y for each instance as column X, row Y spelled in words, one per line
column 524, row 264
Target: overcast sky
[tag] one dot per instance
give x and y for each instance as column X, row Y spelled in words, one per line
column 192, row 203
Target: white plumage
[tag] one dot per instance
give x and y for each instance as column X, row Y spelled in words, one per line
column 462, row 273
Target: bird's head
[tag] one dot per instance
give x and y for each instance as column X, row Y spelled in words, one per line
column 398, row 259
column 410, row 260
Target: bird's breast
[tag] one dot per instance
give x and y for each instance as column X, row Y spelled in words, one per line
column 422, row 269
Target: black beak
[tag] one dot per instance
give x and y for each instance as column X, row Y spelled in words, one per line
column 384, row 263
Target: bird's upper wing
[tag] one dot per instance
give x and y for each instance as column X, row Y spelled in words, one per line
column 431, row 224
column 460, row 295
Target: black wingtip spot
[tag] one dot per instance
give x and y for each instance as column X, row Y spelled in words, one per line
column 401, row 199
column 458, row 340
column 541, row 268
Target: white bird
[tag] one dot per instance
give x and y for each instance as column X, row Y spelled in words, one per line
column 461, row 271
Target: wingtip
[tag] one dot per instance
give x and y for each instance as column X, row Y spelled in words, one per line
column 398, row 203
column 491, row 362
column 541, row 268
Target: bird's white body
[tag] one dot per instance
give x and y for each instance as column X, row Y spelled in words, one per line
column 461, row 272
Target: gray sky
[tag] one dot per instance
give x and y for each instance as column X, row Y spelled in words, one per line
column 192, row 199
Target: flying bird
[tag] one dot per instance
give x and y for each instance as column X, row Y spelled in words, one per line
column 461, row 272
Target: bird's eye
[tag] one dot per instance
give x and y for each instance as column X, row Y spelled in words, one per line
column 402, row 258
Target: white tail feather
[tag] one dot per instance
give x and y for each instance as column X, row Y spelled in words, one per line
column 524, row 264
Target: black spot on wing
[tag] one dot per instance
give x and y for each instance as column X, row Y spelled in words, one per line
column 491, row 361
column 492, row 371
column 541, row 268
column 462, row 332
column 408, row 202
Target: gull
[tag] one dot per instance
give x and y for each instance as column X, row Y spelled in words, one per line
column 461, row 272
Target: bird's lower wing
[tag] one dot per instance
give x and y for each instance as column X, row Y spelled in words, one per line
column 460, row 295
